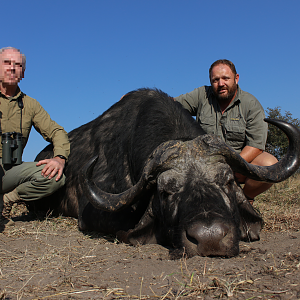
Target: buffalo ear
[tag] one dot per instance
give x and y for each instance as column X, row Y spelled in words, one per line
column 143, row 233
column 135, row 237
column 251, row 222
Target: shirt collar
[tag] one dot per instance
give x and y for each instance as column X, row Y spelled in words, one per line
column 236, row 99
column 238, row 95
column 18, row 94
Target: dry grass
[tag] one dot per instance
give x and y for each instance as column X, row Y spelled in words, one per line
column 197, row 284
column 280, row 205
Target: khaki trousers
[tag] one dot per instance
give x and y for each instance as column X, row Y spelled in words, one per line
column 28, row 181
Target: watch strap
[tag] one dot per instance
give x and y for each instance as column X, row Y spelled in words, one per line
column 61, row 156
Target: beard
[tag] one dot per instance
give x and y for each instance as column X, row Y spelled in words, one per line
column 227, row 97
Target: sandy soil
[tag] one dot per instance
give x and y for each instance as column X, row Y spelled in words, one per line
column 51, row 259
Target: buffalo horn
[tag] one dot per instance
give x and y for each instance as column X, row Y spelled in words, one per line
column 280, row 171
column 156, row 163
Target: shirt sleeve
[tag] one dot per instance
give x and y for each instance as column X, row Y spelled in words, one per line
column 190, row 101
column 256, row 127
column 51, row 131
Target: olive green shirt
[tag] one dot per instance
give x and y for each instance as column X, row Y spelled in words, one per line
column 242, row 123
column 34, row 115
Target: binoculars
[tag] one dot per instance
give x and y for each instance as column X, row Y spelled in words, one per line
column 11, row 148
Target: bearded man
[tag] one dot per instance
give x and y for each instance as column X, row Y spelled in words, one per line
column 235, row 116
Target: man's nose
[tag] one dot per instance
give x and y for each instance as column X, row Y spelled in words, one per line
column 12, row 65
column 12, row 68
column 221, row 82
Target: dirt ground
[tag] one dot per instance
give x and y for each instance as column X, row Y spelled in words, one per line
column 51, row 259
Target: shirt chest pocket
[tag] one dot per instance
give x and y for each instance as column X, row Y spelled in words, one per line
column 207, row 125
column 235, row 130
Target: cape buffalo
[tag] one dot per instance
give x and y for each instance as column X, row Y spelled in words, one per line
column 146, row 171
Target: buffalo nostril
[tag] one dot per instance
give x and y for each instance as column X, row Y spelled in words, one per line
column 208, row 239
column 192, row 239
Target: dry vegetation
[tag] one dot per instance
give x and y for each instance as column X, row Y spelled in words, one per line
column 280, row 205
column 50, row 259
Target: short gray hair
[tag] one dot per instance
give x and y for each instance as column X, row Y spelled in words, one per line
column 23, row 55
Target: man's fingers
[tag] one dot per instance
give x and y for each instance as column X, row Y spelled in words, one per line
column 52, row 167
column 59, row 174
column 52, row 173
column 42, row 162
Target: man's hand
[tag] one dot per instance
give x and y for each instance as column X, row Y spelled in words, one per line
column 52, row 167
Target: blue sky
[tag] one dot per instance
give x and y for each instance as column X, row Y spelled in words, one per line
column 82, row 56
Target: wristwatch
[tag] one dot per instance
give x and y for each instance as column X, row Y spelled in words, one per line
column 61, row 156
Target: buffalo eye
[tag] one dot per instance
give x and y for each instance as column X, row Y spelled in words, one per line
column 169, row 183
column 229, row 183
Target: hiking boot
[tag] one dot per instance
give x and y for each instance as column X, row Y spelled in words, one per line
column 9, row 200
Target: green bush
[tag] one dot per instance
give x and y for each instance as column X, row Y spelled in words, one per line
column 277, row 142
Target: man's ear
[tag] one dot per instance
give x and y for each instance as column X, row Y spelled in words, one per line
column 237, row 77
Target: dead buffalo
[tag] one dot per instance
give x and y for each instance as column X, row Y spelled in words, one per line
column 145, row 171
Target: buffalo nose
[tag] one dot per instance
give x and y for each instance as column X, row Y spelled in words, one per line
column 212, row 240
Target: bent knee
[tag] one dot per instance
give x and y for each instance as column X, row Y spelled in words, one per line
column 48, row 185
column 55, row 185
column 265, row 159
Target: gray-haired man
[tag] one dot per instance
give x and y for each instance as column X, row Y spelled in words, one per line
column 27, row 181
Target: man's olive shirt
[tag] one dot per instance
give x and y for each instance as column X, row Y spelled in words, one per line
column 242, row 123
column 33, row 114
